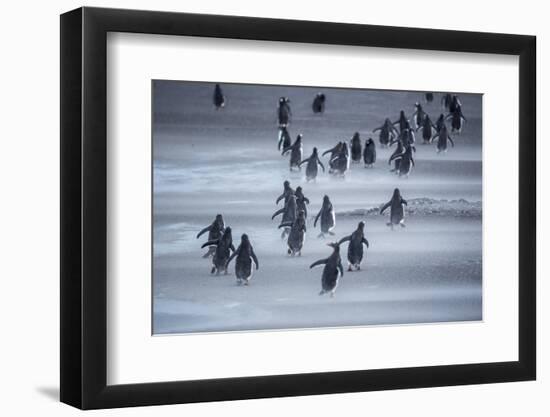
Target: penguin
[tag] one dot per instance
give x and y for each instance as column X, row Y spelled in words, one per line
column 287, row 192
column 219, row 98
column 340, row 162
column 284, row 138
column 407, row 160
column 446, row 100
column 328, row 218
column 283, row 111
column 456, row 119
column 427, row 126
column 355, row 146
column 223, row 246
column 418, row 115
column 311, row 167
column 296, row 153
column 215, row 231
column 318, row 105
column 388, row 132
column 455, row 104
column 288, row 212
column 369, row 153
column 442, row 138
column 355, row 248
column 243, row 265
column 301, row 201
column 333, row 152
column 397, row 213
column 333, row 268
column 408, row 134
column 297, row 234
column 401, row 121
column 429, row 97
column 396, row 161
column 440, row 122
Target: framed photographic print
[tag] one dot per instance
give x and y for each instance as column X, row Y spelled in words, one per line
column 256, row 208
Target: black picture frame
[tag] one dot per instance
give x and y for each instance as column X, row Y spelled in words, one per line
column 84, row 207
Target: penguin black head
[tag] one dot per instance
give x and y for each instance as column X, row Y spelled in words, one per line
column 326, row 200
column 244, row 238
column 418, row 106
column 286, row 184
column 315, row 151
column 299, row 138
column 402, row 113
column 396, row 193
column 361, row 225
column 281, row 100
column 298, row 190
column 355, row 136
column 219, row 218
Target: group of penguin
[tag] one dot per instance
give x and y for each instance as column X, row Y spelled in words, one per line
column 341, row 154
column 294, row 212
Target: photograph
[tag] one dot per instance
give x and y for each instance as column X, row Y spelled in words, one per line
column 278, row 207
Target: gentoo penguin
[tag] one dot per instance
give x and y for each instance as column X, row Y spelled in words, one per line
column 397, row 213
column 369, row 153
column 333, row 152
column 301, row 201
column 219, row 98
column 407, row 160
column 284, row 140
column 418, row 114
column 407, row 134
column 288, row 212
column 215, row 231
column 311, row 167
column 427, row 126
column 243, row 265
column 442, row 138
column 297, row 234
column 455, row 104
column 318, row 105
column 283, row 111
column 328, row 218
column 429, row 97
column 396, row 162
column 440, row 122
column 221, row 255
column 287, row 192
column 446, row 100
column 401, row 121
column 333, row 268
column 456, row 119
column 295, row 153
column 388, row 132
column 355, row 247
column 340, row 162
column 355, row 146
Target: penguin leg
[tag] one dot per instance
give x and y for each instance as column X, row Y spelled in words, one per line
column 322, row 292
column 289, row 251
column 358, row 267
column 332, row 294
column 321, row 235
column 246, row 282
column 213, row 270
column 349, row 267
column 331, row 233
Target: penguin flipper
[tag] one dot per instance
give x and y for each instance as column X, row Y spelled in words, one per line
column 320, row 163
column 384, row 207
column 340, row 267
column 344, row 239
column 316, row 218
column 365, row 241
column 280, row 211
column 206, row 229
column 317, row 263
column 279, row 198
column 232, row 256
column 210, row 243
column 285, row 224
